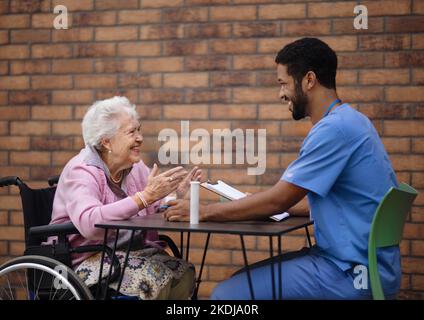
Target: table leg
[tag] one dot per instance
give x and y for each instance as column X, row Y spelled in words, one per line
column 249, row 278
column 271, row 254
column 199, row 278
column 187, row 245
column 101, row 264
column 126, row 260
column 280, row 285
column 111, row 264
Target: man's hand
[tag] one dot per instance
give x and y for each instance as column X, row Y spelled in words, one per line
column 179, row 210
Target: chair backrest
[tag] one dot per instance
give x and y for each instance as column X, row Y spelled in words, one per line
column 387, row 228
column 37, row 206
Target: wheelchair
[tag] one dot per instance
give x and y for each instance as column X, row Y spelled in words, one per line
column 45, row 272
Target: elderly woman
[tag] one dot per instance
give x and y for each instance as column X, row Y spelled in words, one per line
column 108, row 180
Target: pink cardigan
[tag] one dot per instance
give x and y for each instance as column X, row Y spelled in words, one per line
column 84, row 197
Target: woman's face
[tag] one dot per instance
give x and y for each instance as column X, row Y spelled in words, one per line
column 126, row 143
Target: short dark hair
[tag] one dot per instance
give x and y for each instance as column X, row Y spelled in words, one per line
column 309, row 54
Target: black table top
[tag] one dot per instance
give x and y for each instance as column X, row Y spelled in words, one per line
column 259, row 228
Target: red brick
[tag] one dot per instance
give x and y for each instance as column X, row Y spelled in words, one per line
column 29, row 97
column 65, row 128
column 384, row 42
column 207, row 63
column 30, row 67
column 30, row 158
column 404, row 128
column 308, row 27
column 9, row 52
column 22, row 128
column 51, row 51
column 115, row 66
column 254, row 62
column 154, row 32
column 73, row 35
column 229, row 13
column 404, row 59
column 217, row 95
column 161, row 3
column 95, row 49
column 69, row 66
column 14, row 143
column 296, row 129
column 4, row 67
column 357, row 94
column 14, row 113
column 405, row 94
column 51, row 143
column 418, row 76
column 404, row 24
column 161, row 64
column 185, row 15
column 51, row 112
column 72, row 97
column 233, row 46
column 103, row 18
column 193, row 111
column 112, row 4
column 139, row 16
column 26, row 6
column 252, row 95
column 4, row 37
column 396, row 145
column 407, row 162
column 14, row 83
column 418, row 145
column 34, row 36
column 181, row 80
column 17, row 248
column 139, row 81
column 43, row 173
column 283, row 11
column 387, row 7
column 235, row 111
column 223, row 79
column 221, row 30
column 14, row 21
column 46, row 20
column 11, row 233
column 116, row 33
column 51, row 82
column 274, row 112
column 95, row 81
column 384, row 76
column 359, row 60
column 135, row 49
column 75, row 5
column 179, row 48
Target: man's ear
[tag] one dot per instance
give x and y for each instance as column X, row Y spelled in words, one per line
column 310, row 80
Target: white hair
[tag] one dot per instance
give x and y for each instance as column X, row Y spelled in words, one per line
column 102, row 119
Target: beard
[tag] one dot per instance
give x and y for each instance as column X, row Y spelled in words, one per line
column 299, row 103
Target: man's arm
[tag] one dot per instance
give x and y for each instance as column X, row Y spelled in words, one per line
column 279, row 198
column 300, row 209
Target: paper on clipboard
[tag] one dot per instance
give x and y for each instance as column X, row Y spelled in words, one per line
column 231, row 193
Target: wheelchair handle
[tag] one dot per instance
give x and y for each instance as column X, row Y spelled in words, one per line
column 10, row 181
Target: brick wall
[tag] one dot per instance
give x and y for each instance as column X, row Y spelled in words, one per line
column 210, row 62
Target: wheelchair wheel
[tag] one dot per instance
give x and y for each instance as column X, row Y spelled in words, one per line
column 40, row 278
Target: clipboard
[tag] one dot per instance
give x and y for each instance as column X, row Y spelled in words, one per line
column 228, row 192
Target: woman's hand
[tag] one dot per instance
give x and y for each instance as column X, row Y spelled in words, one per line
column 195, row 174
column 160, row 185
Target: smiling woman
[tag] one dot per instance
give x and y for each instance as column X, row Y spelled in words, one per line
column 108, row 180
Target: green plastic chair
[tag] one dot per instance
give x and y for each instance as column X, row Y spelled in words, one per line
column 387, row 229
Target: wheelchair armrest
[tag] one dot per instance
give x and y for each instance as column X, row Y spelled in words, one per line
column 171, row 244
column 10, row 181
column 61, row 229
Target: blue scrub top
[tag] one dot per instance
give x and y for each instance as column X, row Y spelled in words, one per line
column 343, row 164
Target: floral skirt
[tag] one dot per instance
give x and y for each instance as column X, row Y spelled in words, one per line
column 148, row 271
